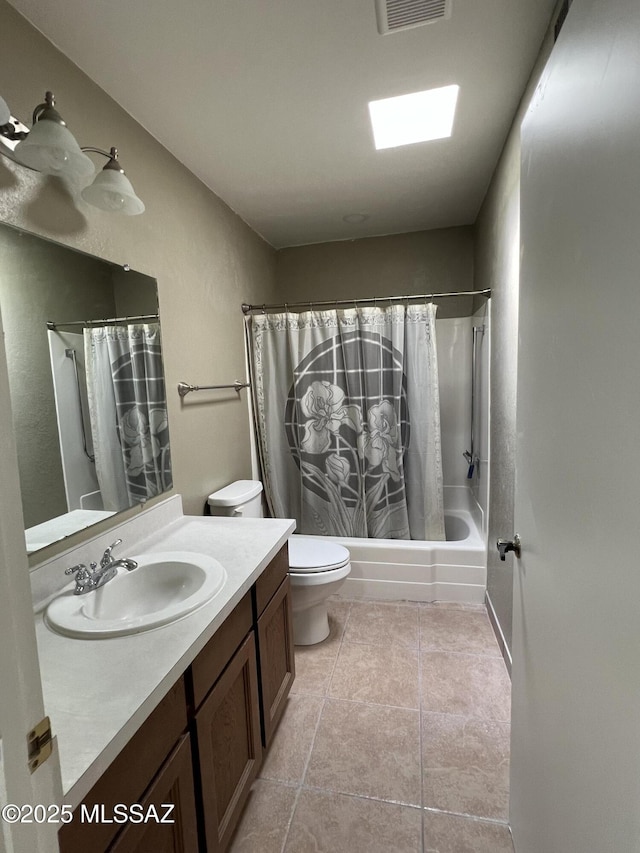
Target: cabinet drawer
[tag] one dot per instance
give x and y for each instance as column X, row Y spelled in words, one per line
column 208, row 666
column 130, row 774
column 270, row 580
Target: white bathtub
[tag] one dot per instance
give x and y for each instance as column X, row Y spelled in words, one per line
column 392, row 569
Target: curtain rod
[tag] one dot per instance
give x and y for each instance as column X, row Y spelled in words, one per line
column 247, row 309
column 53, row 326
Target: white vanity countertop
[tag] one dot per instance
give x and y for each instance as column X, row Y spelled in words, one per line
column 99, row 692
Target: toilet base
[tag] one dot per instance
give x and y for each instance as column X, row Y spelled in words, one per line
column 311, row 626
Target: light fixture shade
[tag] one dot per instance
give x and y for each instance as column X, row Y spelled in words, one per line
column 51, row 148
column 112, row 191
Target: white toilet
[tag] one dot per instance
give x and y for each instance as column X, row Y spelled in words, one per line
column 317, row 569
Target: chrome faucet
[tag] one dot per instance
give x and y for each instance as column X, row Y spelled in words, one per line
column 88, row 579
column 107, row 561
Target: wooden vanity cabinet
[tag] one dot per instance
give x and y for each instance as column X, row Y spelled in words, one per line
column 240, row 683
column 274, row 630
column 226, row 725
column 202, row 747
column 229, row 746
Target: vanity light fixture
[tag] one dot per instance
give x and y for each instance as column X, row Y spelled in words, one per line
column 50, row 147
column 111, row 189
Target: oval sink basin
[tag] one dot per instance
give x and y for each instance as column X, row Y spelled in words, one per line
column 164, row 588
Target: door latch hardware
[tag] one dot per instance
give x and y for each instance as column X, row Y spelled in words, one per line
column 39, row 744
column 506, row 545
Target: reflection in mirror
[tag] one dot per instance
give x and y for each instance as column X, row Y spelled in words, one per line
column 86, row 378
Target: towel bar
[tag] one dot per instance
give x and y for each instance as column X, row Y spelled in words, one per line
column 184, row 388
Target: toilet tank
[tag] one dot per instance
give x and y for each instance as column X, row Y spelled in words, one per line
column 240, row 499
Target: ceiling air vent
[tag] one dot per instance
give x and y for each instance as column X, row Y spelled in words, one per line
column 394, row 15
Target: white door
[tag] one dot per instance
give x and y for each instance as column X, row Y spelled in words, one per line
column 576, row 640
column 21, row 705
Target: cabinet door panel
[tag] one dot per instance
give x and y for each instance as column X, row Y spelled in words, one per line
column 172, row 786
column 229, row 746
column 275, row 653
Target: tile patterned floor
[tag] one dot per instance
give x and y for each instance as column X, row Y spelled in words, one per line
column 395, row 739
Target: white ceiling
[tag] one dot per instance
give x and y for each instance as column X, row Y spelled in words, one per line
column 266, row 101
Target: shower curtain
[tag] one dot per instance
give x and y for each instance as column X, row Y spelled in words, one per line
column 348, row 420
column 128, row 412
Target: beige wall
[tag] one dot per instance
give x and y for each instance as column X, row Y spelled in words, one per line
column 399, row 264
column 205, row 258
column 497, row 265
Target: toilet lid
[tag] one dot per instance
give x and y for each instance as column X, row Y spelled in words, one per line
column 313, row 555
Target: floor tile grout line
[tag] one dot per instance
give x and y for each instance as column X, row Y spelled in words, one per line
column 325, row 697
column 313, row 741
column 385, row 602
column 369, row 798
column 401, row 804
column 440, row 651
column 370, row 704
column 492, row 820
column 457, row 606
column 467, row 717
column 373, row 704
column 335, row 662
column 284, row 783
column 426, row 650
column 302, row 776
column 399, row 646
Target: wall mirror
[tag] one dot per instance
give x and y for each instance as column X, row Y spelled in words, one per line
column 86, row 378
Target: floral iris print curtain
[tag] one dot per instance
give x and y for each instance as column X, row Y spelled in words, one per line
column 128, row 412
column 348, row 420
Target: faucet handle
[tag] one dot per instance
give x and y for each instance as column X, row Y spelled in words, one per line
column 106, row 557
column 80, row 571
column 83, row 577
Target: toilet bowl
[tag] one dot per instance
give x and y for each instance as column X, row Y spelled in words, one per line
column 317, row 569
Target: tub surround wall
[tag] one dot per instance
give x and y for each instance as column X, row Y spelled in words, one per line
column 206, row 260
column 453, row 341
column 480, row 481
